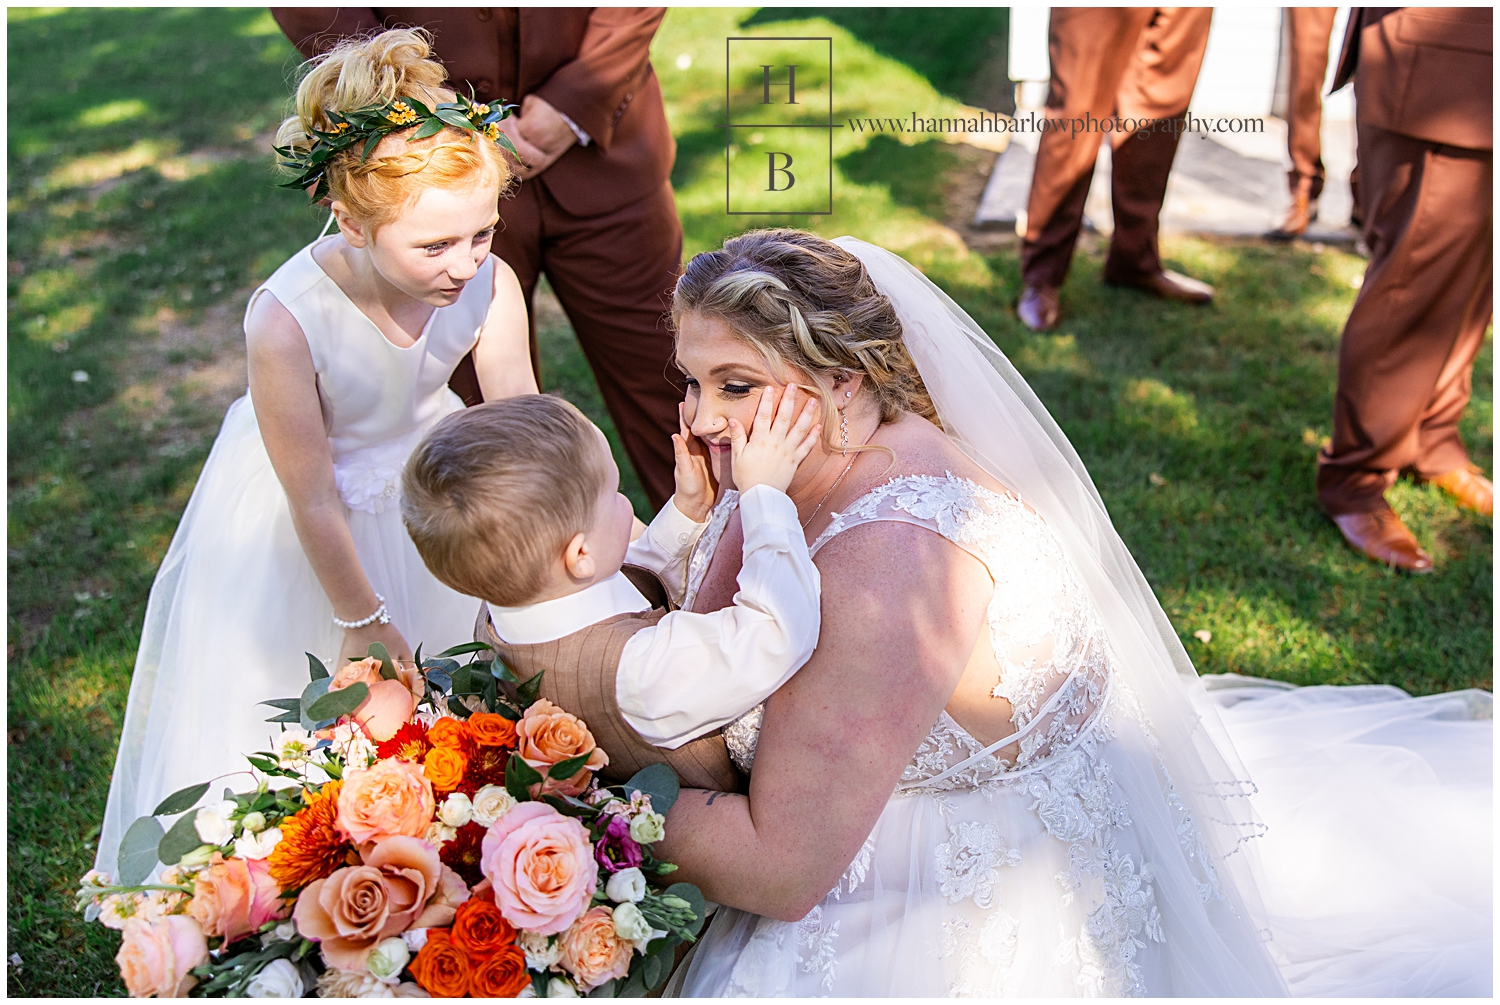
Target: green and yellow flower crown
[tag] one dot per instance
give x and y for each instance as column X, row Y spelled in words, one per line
column 373, row 123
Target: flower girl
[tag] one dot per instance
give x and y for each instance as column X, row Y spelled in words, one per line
column 292, row 541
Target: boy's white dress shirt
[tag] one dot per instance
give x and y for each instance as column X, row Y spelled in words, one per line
column 691, row 673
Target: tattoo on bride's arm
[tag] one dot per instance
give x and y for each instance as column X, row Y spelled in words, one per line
column 714, row 795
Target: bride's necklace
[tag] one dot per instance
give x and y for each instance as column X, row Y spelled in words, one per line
column 844, row 430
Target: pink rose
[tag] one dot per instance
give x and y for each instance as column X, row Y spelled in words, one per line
column 391, row 797
column 155, row 957
column 390, row 704
column 542, row 866
column 357, row 906
column 235, row 896
column 592, row 952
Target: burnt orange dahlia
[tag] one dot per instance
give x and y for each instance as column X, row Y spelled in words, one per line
column 310, row 847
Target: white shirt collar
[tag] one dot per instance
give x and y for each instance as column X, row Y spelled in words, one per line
column 553, row 619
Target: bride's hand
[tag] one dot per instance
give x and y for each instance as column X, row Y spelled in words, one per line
column 357, row 641
column 695, row 489
column 776, row 445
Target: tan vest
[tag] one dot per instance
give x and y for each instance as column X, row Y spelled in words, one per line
column 581, row 670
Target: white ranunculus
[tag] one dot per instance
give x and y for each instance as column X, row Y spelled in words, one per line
column 415, row 939
column 293, row 747
column 456, row 810
column 630, row 924
column 257, row 845
column 559, row 988
column 627, row 886
column 279, row 979
column 213, row 824
column 336, row 983
column 647, row 827
column 541, row 951
column 389, row 957
column 491, row 803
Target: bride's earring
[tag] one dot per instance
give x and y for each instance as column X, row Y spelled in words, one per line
column 844, row 429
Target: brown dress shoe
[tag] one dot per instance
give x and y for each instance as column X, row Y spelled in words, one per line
column 1469, row 488
column 1171, row 286
column 1382, row 536
column 1037, row 308
column 1299, row 214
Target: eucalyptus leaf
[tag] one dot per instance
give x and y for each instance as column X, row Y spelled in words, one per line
column 286, row 704
column 182, row 799
column 315, row 690
column 138, row 851
column 659, row 782
column 654, row 972
column 467, row 647
column 337, row 703
column 286, row 717
column 177, row 842
column 378, row 651
column 315, row 667
column 605, row 990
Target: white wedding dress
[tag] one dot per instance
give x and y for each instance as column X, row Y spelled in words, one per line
column 1079, row 869
column 235, row 604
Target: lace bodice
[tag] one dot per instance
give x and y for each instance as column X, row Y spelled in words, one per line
column 380, row 398
column 1054, row 661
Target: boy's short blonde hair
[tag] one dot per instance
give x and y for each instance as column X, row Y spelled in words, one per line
column 494, row 493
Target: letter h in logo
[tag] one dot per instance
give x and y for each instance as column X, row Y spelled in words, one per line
column 778, row 129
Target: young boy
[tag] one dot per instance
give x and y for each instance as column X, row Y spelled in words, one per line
column 516, row 502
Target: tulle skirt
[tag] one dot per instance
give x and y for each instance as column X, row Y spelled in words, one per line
column 234, row 608
column 1375, row 875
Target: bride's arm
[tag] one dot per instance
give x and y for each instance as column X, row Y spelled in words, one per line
column 838, row 734
column 502, row 357
column 284, row 391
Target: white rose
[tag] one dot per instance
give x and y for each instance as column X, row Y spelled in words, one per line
column 647, row 827
column 439, row 834
column 213, row 824
column 336, row 983
column 630, row 924
column 541, row 951
column 415, row 939
column 389, row 957
column 279, row 979
column 490, row 804
column 258, row 845
column 456, row 810
column 626, row 886
column 559, row 988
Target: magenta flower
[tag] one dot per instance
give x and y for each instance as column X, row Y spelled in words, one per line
column 617, row 850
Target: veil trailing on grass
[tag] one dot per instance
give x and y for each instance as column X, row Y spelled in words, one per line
column 990, row 411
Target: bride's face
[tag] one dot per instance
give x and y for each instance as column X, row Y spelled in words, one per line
column 724, row 380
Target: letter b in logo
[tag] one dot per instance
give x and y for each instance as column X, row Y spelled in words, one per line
column 783, row 168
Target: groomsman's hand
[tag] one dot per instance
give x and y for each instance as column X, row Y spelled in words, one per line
column 695, row 491
column 540, row 134
column 776, row 444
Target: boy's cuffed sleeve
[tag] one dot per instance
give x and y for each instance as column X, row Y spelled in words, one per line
column 665, row 546
column 692, row 673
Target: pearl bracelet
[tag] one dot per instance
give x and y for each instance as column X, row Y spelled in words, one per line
column 381, row 615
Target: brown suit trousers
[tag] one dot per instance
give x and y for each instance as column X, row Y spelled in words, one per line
column 1310, row 29
column 600, row 223
column 1134, row 62
column 1408, row 348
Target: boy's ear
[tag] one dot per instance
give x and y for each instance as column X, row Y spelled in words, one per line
column 578, row 560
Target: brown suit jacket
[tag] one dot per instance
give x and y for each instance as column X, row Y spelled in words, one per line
column 1424, row 72
column 593, row 64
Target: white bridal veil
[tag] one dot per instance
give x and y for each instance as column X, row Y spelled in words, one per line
column 987, row 407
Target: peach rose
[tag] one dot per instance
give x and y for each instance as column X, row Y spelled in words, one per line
column 390, row 704
column 444, row 767
column 546, row 735
column 391, row 797
column 235, row 896
column 357, row 906
column 592, row 952
column 542, row 866
column 155, row 957
column 452, row 893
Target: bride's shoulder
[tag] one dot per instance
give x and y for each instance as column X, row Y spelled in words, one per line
column 921, row 449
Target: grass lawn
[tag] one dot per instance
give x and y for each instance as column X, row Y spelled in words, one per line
column 142, row 211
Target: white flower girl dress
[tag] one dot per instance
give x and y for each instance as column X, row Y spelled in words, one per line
column 235, row 603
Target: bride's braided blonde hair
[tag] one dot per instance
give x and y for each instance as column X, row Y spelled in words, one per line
column 367, row 71
column 806, row 303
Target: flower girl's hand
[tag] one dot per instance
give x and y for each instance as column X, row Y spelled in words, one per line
column 357, row 641
column 695, row 489
column 776, row 445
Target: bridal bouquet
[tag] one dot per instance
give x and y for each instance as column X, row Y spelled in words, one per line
column 423, row 829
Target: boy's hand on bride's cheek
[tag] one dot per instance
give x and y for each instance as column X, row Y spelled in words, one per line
column 781, row 437
column 695, row 487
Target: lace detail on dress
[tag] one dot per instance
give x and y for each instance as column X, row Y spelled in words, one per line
column 741, row 735
column 969, row 862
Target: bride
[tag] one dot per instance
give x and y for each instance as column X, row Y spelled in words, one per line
column 999, row 773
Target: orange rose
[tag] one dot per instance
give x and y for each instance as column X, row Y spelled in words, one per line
column 441, row 968
column 449, row 732
column 480, row 930
column 492, row 730
column 444, row 768
column 548, row 735
column 592, row 952
column 501, row 976
column 391, row 797
column 155, row 957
